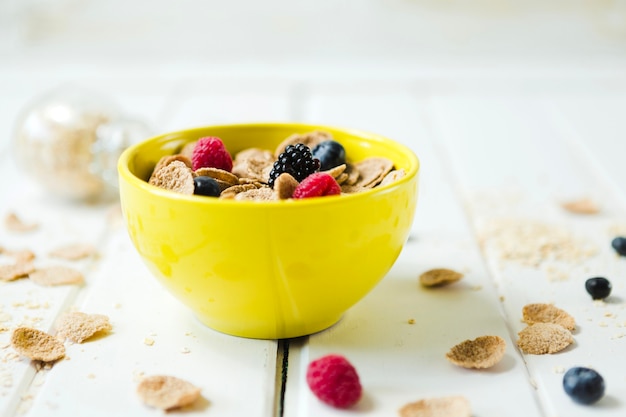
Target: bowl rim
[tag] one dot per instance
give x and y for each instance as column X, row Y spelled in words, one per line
column 126, row 175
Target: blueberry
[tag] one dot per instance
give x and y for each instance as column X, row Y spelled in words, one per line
column 206, row 186
column 583, row 385
column 598, row 287
column 619, row 244
column 330, row 154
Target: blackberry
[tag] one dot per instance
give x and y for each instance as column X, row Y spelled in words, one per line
column 297, row 161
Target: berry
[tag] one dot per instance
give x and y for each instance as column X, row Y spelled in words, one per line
column 210, row 152
column 334, row 381
column 206, row 186
column 583, row 385
column 295, row 160
column 318, row 184
column 330, row 154
column 598, row 287
column 619, row 244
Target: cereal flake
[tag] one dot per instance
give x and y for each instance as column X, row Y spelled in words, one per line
column 15, row 271
column 36, row 345
column 439, row 277
column 14, row 223
column 453, row 406
column 175, row 176
column 167, row 392
column 73, row 251
column 542, row 338
column 482, row 352
column 547, row 313
column 56, row 275
column 77, row 326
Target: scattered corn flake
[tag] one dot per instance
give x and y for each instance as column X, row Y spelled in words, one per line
column 15, row 224
column 439, row 277
column 77, row 326
column 56, row 275
column 148, row 341
column 581, row 206
column 167, row 392
column 453, row 406
column 547, row 313
column 74, row 251
column 482, row 352
column 411, row 321
column 558, row 369
column 15, row 271
column 542, row 338
column 36, row 345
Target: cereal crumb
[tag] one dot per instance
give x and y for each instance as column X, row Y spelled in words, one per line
column 167, row 392
column 476, row 287
column 453, row 406
column 542, row 338
column 547, row 313
column 185, row 349
column 482, row 352
column 439, row 277
column 148, row 341
column 411, row 321
column 558, row 369
column 603, row 324
column 91, row 376
column 77, row 326
column 36, row 345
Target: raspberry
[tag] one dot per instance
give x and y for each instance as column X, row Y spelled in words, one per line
column 210, row 152
column 334, row 381
column 295, row 160
column 318, row 184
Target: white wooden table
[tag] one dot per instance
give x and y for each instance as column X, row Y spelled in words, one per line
column 506, row 150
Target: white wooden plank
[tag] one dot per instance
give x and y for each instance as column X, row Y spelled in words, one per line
column 512, row 163
column 400, row 362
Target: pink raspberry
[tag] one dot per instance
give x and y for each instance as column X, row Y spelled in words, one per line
column 334, row 381
column 210, row 152
column 318, row 184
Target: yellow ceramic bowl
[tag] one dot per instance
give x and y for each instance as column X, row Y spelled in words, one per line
column 268, row 270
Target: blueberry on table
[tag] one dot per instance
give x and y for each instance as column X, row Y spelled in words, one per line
column 583, row 385
column 598, row 287
column 206, row 186
column 619, row 244
column 330, row 154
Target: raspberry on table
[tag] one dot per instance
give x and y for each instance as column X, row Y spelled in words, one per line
column 318, row 184
column 210, row 152
column 334, row 381
column 297, row 161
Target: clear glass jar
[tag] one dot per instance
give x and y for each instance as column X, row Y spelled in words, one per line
column 69, row 141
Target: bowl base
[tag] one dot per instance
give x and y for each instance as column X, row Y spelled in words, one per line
column 274, row 331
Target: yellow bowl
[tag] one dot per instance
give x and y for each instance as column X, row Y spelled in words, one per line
column 268, row 270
